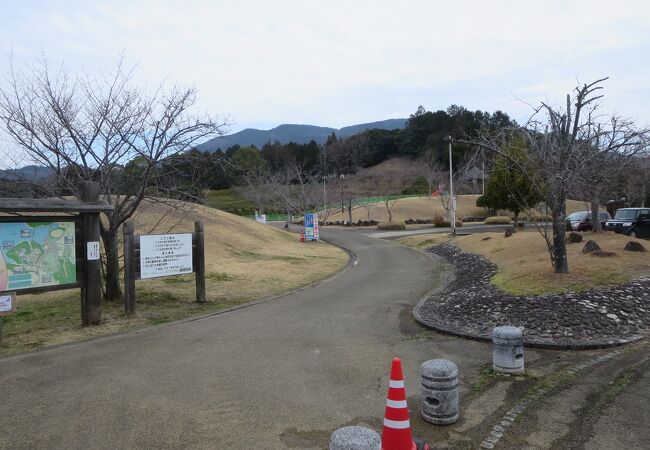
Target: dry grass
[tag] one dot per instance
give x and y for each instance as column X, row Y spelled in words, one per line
column 244, row 261
column 427, row 208
column 524, row 266
column 413, row 208
column 422, row 241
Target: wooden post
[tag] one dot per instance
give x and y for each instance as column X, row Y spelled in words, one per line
column 91, row 291
column 129, row 268
column 199, row 262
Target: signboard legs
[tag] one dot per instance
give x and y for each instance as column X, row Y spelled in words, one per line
column 134, row 244
column 91, row 290
column 199, row 262
column 129, row 269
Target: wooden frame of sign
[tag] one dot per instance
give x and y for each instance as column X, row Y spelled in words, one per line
column 84, row 212
column 133, row 265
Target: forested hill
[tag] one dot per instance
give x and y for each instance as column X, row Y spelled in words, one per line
column 300, row 134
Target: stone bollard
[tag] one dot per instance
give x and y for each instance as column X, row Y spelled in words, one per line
column 439, row 391
column 355, row 438
column 508, row 350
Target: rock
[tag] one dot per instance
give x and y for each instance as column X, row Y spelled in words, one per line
column 574, row 237
column 634, row 246
column 355, row 438
column 486, row 238
column 509, row 232
column 591, row 246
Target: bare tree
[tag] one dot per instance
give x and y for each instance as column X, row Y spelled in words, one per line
column 84, row 128
column 431, row 169
column 613, row 144
column 257, row 188
column 387, row 187
column 561, row 141
column 347, row 194
column 634, row 181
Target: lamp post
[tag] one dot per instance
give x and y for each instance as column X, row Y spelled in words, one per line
column 452, row 199
column 341, row 177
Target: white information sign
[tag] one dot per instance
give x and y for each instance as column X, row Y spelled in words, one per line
column 7, row 304
column 92, row 251
column 165, row 254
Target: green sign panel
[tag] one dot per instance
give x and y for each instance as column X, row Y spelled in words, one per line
column 37, row 254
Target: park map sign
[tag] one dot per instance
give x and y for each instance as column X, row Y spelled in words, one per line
column 37, row 254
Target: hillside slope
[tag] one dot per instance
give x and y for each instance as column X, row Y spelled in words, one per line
column 245, row 260
column 255, row 259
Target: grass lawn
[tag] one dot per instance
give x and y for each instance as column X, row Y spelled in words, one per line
column 524, row 266
column 245, row 260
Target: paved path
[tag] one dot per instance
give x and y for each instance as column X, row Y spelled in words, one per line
column 284, row 373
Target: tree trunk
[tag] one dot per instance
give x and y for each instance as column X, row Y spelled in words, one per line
column 596, row 226
column 390, row 214
column 558, row 211
column 515, row 221
column 286, row 225
column 111, row 248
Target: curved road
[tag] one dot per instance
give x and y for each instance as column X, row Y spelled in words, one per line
column 279, row 374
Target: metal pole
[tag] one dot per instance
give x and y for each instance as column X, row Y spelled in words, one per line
column 451, row 192
column 483, row 173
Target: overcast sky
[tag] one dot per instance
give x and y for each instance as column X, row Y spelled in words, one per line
column 337, row 63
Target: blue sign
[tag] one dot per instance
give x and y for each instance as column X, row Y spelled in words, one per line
column 311, row 227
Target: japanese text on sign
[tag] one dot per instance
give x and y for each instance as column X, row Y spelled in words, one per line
column 165, row 254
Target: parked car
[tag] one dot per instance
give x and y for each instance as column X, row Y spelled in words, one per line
column 581, row 220
column 634, row 222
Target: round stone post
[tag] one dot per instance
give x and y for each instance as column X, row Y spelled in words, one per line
column 439, row 391
column 355, row 438
column 508, row 350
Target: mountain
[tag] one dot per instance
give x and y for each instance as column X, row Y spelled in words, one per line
column 390, row 124
column 27, row 173
column 300, row 134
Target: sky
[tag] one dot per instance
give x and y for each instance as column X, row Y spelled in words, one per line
column 338, row 63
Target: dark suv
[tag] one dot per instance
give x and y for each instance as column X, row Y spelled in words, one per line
column 581, row 220
column 634, row 222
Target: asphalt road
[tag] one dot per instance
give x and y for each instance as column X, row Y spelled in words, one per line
column 287, row 372
column 279, row 374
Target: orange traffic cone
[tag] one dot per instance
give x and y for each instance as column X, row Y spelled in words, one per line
column 302, row 235
column 397, row 428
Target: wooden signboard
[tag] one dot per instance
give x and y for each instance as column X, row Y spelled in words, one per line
column 161, row 255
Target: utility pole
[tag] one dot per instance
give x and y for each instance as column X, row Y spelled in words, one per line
column 452, row 199
column 482, row 172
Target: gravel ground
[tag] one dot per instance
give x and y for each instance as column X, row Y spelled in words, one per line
column 470, row 306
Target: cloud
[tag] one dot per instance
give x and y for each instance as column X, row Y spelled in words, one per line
column 337, row 63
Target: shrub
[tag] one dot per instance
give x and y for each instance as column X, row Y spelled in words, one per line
column 498, row 220
column 473, row 219
column 442, row 222
column 387, row 226
column 418, row 187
